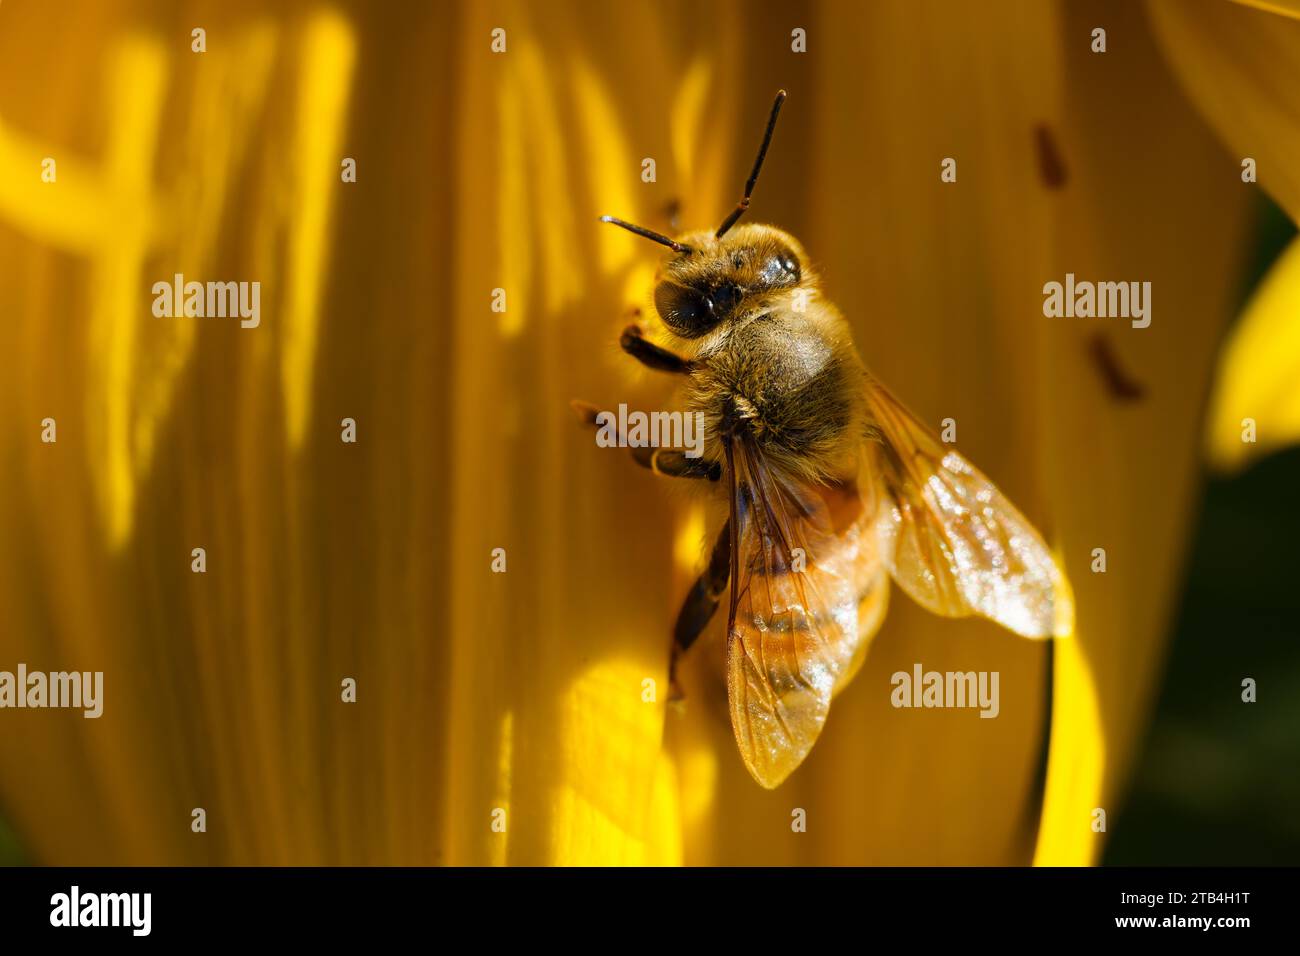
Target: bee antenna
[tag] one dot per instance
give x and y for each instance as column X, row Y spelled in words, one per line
column 758, row 164
column 650, row 234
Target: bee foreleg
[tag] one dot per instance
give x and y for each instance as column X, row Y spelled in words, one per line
column 635, row 344
column 675, row 464
column 701, row 603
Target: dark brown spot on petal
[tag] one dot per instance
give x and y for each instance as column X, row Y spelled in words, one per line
column 673, row 213
column 1122, row 386
column 1051, row 167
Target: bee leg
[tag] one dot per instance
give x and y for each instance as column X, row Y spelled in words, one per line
column 700, row 605
column 662, row 461
column 675, row 464
column 635, row 344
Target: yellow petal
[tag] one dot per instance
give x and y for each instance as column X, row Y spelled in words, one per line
column 1122, row 469
column 1239, row 67
column 1256, row 402
column 1286, row 8
column 573, row 638
column 222, row 689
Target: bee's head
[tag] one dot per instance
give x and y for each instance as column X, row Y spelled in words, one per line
column 713, row 274
column 699, row 290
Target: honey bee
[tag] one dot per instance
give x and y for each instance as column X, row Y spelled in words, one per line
column 832, row 487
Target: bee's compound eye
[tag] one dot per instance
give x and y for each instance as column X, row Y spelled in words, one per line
column 780, row 269
column 683, row 309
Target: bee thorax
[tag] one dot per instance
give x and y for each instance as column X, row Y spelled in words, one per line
column 787, row 388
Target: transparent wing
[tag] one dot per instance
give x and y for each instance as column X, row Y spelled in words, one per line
column 808, row 591
column 949, row 537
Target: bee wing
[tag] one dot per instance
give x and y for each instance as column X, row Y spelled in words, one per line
column 808, row 590
column 950, row 538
